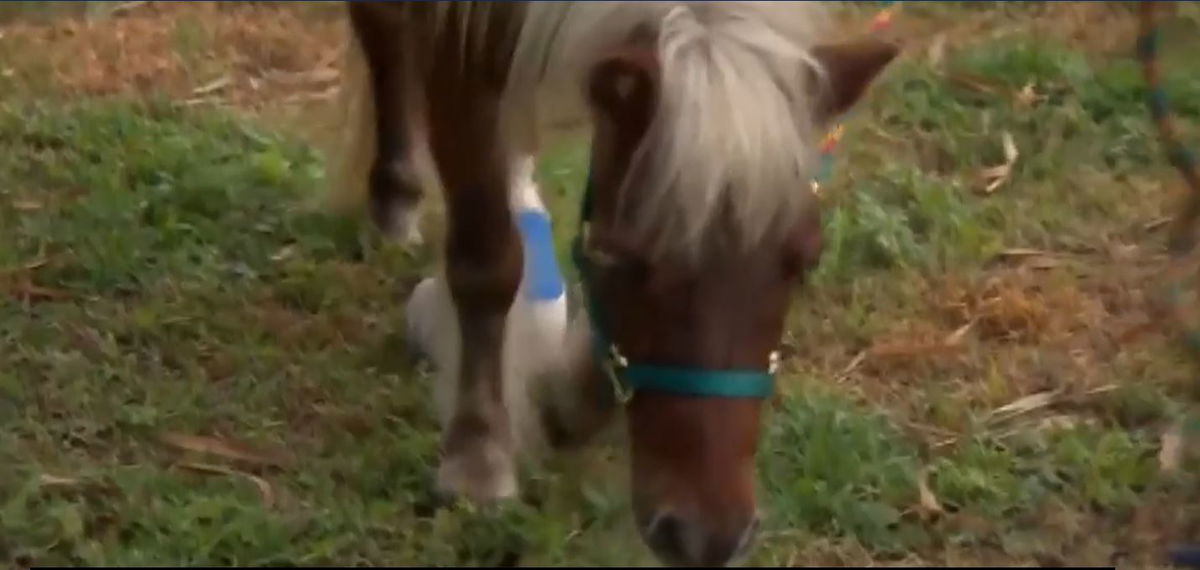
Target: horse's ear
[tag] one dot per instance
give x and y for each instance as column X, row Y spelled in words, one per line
column 624, row 88
column 849, row 69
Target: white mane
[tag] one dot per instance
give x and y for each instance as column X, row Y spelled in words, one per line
column 733, row 134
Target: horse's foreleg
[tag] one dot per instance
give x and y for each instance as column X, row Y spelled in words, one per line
column 395, row 185
column 483, row 271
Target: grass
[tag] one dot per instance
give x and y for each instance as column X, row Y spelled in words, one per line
column 166, row 285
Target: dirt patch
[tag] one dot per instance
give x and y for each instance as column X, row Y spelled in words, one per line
column 1024, row 306
column 244, row 53
column 1018, row 330
column 1098, row 28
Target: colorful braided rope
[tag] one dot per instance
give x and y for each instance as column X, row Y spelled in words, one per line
column 1179, row 155
column 1182, row 231
column 881, row 21
column 1181, row 238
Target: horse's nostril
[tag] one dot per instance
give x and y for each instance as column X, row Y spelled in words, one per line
column 665, row 535
column 682, row 542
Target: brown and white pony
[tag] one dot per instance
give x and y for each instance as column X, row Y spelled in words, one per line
column 705, row 120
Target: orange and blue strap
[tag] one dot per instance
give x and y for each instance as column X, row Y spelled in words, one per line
column 882, row 21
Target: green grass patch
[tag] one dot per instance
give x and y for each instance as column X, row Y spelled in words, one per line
column 196, row 291
column 919, row 206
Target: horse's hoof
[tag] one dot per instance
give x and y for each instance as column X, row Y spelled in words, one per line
column 400, row 226
column 481, row 473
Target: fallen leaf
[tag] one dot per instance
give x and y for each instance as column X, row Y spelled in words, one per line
column 1027, row 96
column 972, row 82
column 1010, row 147
column 212, row 86
column 955, row 338
column 928, row 504
column 1021, row 252
column 996, row 176
column 1058, row 422
column 319, row 75
column 222, row 448
column 854, row 364
column 197, row 101
column 26, row 205
column 1157, row 223
column 1101, row 390
column 264, row 488
column 49, row 480
column 1170, row 450
column 284, row 253
column 1026, row 404
column 323, row 95
column 937, row 50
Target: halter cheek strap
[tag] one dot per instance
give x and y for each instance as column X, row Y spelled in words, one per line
column 628, row 377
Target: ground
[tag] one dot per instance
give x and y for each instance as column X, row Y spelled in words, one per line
column 199, row 366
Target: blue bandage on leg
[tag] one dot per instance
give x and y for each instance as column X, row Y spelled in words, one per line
column 543, row 279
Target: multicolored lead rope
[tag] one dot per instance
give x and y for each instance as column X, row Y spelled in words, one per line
column 1182, row 238
column 1182, row 235
column 881, row 21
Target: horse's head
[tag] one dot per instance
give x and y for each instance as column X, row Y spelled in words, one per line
column 696, row 326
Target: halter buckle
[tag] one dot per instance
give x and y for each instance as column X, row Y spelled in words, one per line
column 613, row 366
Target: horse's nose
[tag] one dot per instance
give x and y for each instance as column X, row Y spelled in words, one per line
column 687, row 541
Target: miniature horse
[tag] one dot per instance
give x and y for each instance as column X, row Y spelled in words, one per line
column 698, row 220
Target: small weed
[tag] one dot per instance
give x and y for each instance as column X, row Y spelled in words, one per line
column 831, row 469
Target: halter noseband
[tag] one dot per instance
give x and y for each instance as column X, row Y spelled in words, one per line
column 629, row 377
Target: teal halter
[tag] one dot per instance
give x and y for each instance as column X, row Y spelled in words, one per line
column 629, row 377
